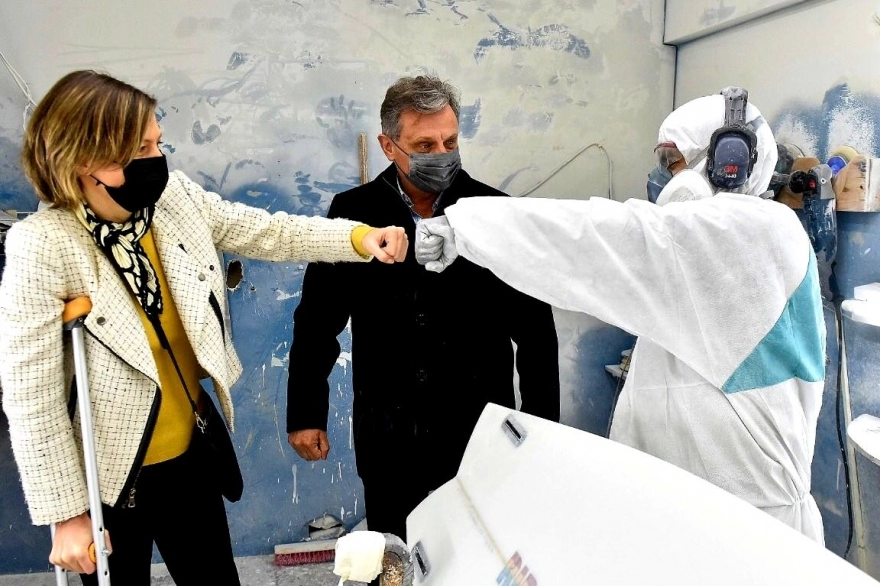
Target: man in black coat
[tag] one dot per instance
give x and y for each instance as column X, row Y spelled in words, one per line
column 415, row 408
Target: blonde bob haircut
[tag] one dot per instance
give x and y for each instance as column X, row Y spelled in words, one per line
column 88, row 119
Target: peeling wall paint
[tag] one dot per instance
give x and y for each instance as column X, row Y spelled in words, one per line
column 263, row 102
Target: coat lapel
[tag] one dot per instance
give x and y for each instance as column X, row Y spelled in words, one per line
column 114, row 320
column 189, row 286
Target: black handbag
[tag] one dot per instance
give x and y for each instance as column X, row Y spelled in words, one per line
column 213, row 444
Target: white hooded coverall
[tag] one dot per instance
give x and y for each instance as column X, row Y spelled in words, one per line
column 727, row 374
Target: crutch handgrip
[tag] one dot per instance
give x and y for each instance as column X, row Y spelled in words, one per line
column 76, row 307
column 92, row 555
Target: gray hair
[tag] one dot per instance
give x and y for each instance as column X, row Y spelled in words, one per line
column 424, row 94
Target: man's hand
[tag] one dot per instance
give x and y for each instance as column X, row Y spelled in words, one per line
column 435, row 243
column 70, row 546
column 387, row 244
column 310, row 444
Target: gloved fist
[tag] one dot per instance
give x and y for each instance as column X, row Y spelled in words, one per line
column 435, row 243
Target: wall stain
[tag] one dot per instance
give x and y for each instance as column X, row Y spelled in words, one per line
column 200, row 136
column 237, row 59
column 338, row 117
column 716, row 15
column 422, row 8
column 469, row 119
column 555, row 37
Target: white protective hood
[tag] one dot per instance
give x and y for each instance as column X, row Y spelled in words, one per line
column 691, row 126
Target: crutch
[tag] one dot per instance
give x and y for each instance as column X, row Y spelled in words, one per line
column 75, row 312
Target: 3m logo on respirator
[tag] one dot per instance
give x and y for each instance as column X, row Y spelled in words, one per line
column 516, row 574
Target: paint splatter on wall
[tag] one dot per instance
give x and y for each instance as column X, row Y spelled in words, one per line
column 554, row 37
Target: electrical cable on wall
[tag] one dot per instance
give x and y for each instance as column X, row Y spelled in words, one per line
column 572, row 158
column 839, row 416
column 23, row 86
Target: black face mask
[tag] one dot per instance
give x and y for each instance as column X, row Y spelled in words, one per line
column 432, row 172
column 145, row 180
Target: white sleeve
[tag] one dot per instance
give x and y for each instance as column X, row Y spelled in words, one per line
column 598, row 257
column 33, row 375
column 256, row 233
column 706, row 280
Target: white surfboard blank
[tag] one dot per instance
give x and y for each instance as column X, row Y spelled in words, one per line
column 536, row 503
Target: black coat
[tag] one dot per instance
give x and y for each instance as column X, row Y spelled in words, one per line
column 428, row 351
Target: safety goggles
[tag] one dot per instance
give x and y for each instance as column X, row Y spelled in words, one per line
column 667, row 154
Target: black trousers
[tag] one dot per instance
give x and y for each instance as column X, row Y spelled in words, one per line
column 388, row 500
column 177, row 507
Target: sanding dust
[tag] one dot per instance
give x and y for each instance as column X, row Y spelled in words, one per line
column 392, row 571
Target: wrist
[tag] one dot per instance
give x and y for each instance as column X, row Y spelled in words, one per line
column 79, row 519
column 357, row 239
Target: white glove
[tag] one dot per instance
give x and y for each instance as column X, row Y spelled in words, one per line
column 435, row 243
column 359, row 556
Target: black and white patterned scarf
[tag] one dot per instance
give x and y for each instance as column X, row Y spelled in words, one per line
column 121, row 244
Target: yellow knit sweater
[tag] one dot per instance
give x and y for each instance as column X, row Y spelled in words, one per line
column 176, row 421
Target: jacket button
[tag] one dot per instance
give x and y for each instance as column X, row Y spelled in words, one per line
column 210, row 267
column 201, row 276
column 101, row 321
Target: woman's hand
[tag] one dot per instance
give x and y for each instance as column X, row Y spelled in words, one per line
column 70, row 546
column 387, row 244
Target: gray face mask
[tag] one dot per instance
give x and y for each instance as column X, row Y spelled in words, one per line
column 432, row 172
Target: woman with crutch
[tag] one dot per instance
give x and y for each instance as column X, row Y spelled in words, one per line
column 142, row 245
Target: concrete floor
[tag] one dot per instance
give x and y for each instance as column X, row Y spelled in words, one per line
column 253, row 571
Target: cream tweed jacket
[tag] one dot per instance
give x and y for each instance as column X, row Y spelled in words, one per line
column 50, row 257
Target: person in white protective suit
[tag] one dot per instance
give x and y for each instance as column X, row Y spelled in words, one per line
column 720, row 288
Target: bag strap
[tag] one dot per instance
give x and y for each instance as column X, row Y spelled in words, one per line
column 163, row 340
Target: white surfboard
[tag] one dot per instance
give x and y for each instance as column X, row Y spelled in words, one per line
column 537, row 503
